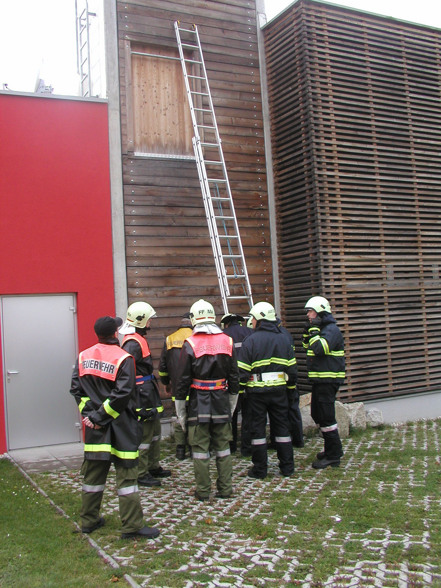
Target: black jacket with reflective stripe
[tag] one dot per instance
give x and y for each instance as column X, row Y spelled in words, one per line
column 267, row 349
column 325, row 356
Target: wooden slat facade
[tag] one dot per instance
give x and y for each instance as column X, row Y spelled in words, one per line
column 356, row 131
column 170, row 262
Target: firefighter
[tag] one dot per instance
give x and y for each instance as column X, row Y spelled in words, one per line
column 232, row 325
column 209, row 376
column 103, row 385
column 325, row 359
column 268, row 369
column 168, row 365
column 138, row 319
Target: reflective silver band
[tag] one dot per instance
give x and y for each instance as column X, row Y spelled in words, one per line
column 223, row 453
column 258, row 441
column 128, row 490
column 328, row 429
column 197, row 455
column 90, row 488
column 283, row 439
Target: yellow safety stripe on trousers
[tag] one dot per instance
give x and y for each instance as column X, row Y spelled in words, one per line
column 326, row 374
column 264, row 362
column 163, row 374
column 84, row 401
column 107, row 448
column 109, row 409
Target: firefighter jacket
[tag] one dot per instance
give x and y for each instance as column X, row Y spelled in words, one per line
column 168, row 362
column 207, row 374
column 325, row 356
column 266, row 360
column 150, row 405
column 237, row 332
column 103, row 385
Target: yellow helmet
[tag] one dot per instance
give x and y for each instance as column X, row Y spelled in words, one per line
column 202, row 312
column 319, row 304
column 263, row 310
column 137, row 317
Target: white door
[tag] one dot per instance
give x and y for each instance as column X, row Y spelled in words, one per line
column 39, row 351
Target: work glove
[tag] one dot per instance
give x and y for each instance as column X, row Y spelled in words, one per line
column 146, row 414
column 233, row 402
column 181, row 413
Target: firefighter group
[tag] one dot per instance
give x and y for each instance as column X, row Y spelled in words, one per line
column 245, row 367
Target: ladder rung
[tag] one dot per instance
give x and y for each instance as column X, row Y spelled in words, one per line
column 202, row 109
column 228, row 236
column 232, row 256
column 222, row 216
column 193, row 61
column 238, row 297
column 187, row 30
column 188, row 45
column 210, row 144
column 223, row 198
column 196, row 77
column 206, row 127
column 208, row 162
column 234, row 276
column 216, row 180
column 199, row 93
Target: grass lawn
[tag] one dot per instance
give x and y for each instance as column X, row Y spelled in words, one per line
column 375, row 521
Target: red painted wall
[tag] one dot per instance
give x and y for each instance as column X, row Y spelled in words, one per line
column 55, row 214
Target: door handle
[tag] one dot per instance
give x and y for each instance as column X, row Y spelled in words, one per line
column 9, row 372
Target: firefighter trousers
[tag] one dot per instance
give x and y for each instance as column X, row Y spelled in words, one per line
column 150, row 448
column 275, row 404
column 323, row 413
column 204, row 437
column 95, row 475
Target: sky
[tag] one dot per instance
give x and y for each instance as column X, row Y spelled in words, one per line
column 37, row 37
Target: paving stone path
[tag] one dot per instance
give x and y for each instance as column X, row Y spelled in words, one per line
column 274, row 532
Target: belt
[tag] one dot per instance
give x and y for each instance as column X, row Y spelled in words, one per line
column 268, row 376
column 141, row 379
column 209, row 384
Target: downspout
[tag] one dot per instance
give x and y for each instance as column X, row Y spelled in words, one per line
column 261, row 21
column 115, row 159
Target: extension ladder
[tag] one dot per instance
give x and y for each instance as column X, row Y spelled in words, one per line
column 223, row 228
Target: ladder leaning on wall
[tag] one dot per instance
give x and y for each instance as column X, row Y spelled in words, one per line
column 225, row 239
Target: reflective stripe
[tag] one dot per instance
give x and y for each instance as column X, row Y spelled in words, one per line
column 144, row 446
column 197, row 455
column 223, row 453
column 106, row 448
column 328, row 429
column 109, row 409
column 163, row 374
column 128, row 490
column 326, row 374
column 258, row 441
column 84, row 400
column 283, row 439
column 91, row 488
column 339, row 353
column 270, row 384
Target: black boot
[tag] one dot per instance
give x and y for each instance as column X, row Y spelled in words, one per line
column 180, row 452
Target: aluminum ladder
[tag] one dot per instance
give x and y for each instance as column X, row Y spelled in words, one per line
column 83, row 48
column 225, row 239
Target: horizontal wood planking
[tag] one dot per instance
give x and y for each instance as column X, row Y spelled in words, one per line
column 356, row 144
column 169, row 256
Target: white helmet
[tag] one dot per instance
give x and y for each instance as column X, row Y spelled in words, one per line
column 137, row 317
column 319, row 304
column 263, row 310
column 202, row 312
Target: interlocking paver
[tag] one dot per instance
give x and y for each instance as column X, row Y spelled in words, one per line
column 217, row 548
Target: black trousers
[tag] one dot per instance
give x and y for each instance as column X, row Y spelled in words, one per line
column 275, row 404
column 323, row 413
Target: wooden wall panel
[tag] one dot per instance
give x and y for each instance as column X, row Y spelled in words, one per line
column 355, row 112
column 169, row 257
